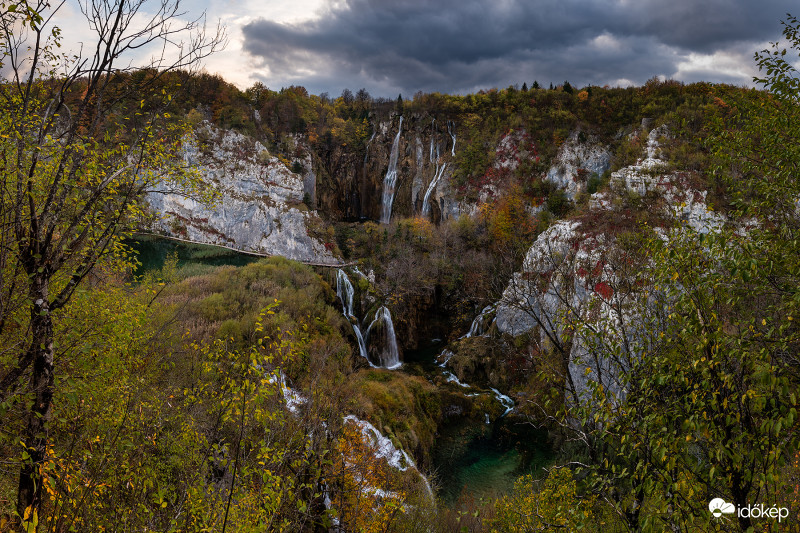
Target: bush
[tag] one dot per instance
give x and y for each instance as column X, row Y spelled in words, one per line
column 558, row 203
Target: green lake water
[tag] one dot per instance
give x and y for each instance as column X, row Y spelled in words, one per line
column 479, row 460
column 474, row 459
column 152, row 253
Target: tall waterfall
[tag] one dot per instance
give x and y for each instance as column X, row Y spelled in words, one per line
column 433, row 135
column 391, row 179
column 426, row 206
column 389, row 356
column 366, row 150
column 344, row 290
column 451, row 130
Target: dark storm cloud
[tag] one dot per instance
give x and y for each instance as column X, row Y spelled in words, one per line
column 461, row 45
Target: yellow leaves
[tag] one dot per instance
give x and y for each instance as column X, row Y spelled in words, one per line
column 542, row 506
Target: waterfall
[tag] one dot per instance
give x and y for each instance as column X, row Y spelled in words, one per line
column 344, row 290
column 426, row 206
column 384, row 448
column 452, row 378
column 453, row 136
column 366, row 150
column 504, row 400
column 437, row 175
column 389, row 355
column 478, row 326
column 447, row 354
column 292, row 398
column 391, row 179
column 433, row 131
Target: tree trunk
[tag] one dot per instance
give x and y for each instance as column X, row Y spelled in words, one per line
column 29, row 494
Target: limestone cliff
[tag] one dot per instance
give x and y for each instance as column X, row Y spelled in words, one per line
column 259, row 205
column 350, row 183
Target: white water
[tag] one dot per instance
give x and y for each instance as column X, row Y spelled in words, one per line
column 507, row 402
column 426, row 206
column 452, row 378
column 390, row 180
column 390, row 355
column 366, row 150
column 479, row 326
column 344, row 290
column 384, row 449
column 447, row 356
column 293, row 399
column 450, row 128
column 433, row 131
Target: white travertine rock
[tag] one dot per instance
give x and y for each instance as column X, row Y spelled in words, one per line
column 574, row 156
column 259, row 205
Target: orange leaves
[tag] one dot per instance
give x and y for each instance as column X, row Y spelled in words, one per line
column 370, row 497
column 421, row 229
column 508, row 221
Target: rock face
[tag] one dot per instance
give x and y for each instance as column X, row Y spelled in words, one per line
column 679, row 196
column 524, row 304
column 580, row 158
column 567, row 273
column 350, row 187
column 259, row 205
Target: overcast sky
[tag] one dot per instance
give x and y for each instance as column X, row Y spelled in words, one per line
column 460, row 46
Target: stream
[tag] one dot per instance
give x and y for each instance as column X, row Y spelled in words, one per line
column 470, row 458
column 473, row 459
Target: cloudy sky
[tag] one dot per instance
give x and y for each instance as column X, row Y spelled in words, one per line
column 459, row 46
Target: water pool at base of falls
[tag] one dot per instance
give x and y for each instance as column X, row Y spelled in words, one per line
column 475, row 460
column 472, row 459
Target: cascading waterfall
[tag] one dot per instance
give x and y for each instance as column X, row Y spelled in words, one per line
column 437, row 175
column 366, row 154
column 426, row 206
column 479, row 326
column 389, row 356
column 391, row 179
column 344, row 290
column 451, row 131
column 504, row 400
column 384, row 448
column 433, row 135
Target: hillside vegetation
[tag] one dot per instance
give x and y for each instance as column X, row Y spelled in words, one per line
column 639, row 323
